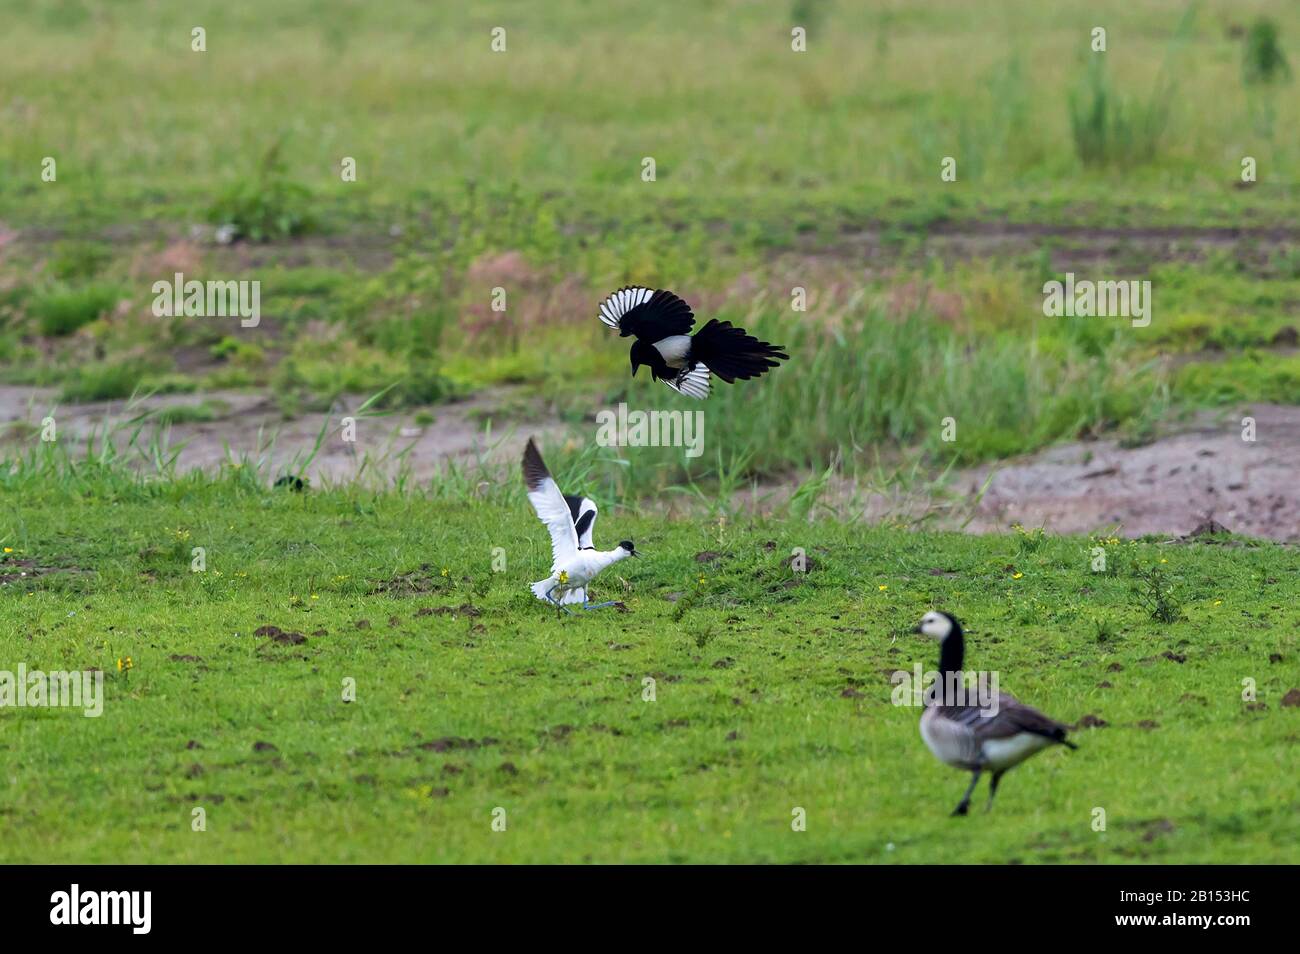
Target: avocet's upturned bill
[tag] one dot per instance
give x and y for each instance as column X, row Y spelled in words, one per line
column 661, row 324
column 992, row 738
column 570, row 521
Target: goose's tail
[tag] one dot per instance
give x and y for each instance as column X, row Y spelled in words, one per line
column 566, row 597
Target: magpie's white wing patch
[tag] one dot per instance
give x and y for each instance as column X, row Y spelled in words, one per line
column 693, row 383
column 544, row 494
column 646, row 314
column 613, row 308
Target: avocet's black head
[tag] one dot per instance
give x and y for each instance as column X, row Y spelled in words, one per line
column 630, row 547
column 938, row 625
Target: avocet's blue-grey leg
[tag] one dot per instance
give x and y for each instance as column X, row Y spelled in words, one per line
column 558, row 604
column 591, row 606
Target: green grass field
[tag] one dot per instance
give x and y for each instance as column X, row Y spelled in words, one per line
column 126, row 156
column 772, row 690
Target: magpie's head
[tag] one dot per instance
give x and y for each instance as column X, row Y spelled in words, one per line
column 630, row 547
column 641, row 354
column 937, row 625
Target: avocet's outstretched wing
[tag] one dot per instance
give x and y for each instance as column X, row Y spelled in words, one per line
column 645, row 314
column 584, row 512
column 545, row 496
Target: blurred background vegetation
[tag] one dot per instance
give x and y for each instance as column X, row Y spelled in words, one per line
column 774, row 170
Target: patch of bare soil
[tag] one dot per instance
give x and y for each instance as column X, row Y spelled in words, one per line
column 1194, row 481
column 1118, row 250
column 1203, row 471
column 250, row 426
column 19, row 570
column 1170, row 486
column 166, row 247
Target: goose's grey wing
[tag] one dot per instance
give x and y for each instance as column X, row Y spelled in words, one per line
column 1009, row 718
column 1014, row 717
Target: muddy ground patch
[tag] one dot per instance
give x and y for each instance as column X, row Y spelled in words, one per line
column 1198, row 470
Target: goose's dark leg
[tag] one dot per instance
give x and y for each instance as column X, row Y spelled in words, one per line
column 993, row 787
column 964, row 804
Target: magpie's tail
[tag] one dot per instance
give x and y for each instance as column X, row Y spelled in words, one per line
column 733, row 353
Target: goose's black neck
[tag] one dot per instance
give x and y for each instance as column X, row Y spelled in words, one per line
column 952, row 651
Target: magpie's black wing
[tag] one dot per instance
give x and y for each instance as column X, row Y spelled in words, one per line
column 645, row 314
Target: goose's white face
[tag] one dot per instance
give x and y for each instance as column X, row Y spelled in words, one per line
column 935, row 625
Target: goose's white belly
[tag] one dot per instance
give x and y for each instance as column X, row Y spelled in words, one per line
column 954, row 744
column 1003, row 753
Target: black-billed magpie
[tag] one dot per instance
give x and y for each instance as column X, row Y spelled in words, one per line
column 661, row 323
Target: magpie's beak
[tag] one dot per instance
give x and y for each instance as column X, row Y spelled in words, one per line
column 636, row 553
column 917, row 629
